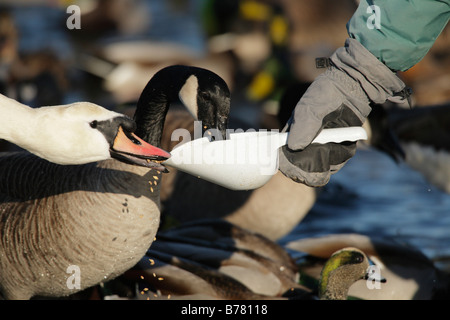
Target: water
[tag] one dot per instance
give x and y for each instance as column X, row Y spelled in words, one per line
column 374, row 196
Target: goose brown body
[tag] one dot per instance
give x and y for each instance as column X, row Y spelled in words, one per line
column 101, row 218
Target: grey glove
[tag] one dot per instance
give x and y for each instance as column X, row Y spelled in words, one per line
column 337, row 98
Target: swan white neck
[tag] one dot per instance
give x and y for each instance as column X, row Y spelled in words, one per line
column 60, row 134
column 15, row 121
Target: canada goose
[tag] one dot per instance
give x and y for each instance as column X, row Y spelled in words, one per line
column 409, row 273
column 96, row 218
column 78, row 133
column 422, row 135
column 272, row 210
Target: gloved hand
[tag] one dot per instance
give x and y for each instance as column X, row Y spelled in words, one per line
column 337, row 98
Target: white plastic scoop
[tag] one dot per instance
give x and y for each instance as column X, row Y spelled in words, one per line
column 246, row 160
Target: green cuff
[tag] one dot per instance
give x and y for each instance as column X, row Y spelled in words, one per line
column 399, row 32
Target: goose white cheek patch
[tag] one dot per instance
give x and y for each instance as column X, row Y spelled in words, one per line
column 188, row 95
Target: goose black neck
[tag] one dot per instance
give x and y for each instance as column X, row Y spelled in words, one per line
column 213, row 98
column 155, row 100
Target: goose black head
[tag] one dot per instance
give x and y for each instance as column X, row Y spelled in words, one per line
column 204, row 93
column 207, row 97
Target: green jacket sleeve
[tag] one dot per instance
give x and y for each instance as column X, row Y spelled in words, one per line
column 399, row 32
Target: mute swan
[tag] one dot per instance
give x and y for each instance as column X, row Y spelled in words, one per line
column 97, row 218
column 78, row 133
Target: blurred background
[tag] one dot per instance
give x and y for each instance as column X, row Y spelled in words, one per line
column 261, row 48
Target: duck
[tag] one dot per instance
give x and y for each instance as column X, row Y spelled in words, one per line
column 409, row 274
column 344, row 268
column 98, row 218
column 215, row 259
column 72, row 134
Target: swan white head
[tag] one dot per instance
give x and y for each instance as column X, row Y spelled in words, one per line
column 84, row 132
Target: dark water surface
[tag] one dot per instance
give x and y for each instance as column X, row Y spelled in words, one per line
column 373, row 195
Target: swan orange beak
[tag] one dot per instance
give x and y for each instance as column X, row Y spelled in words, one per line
column 130, row 148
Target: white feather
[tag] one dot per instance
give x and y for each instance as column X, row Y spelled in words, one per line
column 60, row 134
